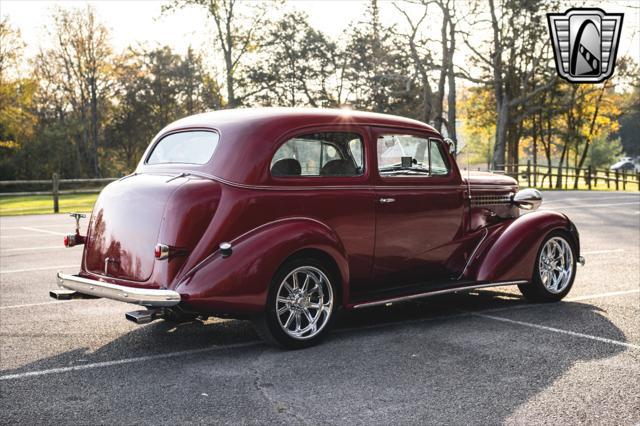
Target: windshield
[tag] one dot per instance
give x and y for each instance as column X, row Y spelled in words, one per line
column 192, row 147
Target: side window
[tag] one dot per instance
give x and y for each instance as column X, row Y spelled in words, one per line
column 438, row 163
column 409, row 155
column 320, row 154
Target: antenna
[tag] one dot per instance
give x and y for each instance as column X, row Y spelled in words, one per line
column 468, row 177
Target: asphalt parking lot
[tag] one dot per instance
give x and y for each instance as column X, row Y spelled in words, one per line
column 484, row 357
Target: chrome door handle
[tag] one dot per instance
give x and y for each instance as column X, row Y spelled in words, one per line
column 387, row 200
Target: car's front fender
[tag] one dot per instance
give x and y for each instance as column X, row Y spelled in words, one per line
column 510, row 249
column 240, row 282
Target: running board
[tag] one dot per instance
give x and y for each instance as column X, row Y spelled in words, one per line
column 397, row 299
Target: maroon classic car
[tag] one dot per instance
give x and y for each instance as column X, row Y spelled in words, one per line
column 284, row 215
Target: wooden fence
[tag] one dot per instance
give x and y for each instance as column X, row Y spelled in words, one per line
column 573, row 178
column 92, row 186
column 543, row 177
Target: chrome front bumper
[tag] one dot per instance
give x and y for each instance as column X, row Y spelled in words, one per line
column 138, row 296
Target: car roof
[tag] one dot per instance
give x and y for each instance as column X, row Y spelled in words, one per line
column 291, row 118
column 250, row 136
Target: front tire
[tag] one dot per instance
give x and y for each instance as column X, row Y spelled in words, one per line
column 555, row 270
column 300, row 305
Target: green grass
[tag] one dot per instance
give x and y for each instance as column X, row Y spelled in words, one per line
column 43, row 204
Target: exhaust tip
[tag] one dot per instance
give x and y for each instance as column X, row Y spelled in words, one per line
column 62, row 294
column 142, row 317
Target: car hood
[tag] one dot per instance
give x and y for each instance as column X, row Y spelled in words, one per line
column 487, row 178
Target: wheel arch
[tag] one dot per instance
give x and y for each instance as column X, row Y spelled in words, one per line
column 239, row 284
column 330, row 262
column 509, row 253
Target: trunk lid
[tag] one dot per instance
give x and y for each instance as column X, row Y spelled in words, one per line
column 130, row 218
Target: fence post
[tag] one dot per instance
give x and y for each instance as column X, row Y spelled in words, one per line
column 608, row 183
column 55, row 191
column 617, row 175
column 624, row 180
column 529, row 173
column 638, row 180
column 589, row 177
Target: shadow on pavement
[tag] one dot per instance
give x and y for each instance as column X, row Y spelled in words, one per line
column 427, row 361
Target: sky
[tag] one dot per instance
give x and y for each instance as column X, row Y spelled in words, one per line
column 142, row 22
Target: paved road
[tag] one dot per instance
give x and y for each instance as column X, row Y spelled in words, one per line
column 485, row 357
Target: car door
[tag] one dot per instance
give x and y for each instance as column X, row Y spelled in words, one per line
column 419, row 208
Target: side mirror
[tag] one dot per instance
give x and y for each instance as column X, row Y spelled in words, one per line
column 451, row 144
column 527, row 199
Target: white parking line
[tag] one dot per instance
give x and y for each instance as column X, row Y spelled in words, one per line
column 127, row 360
column 27, row 236
column 600, row 295
column 557, row 330
column 5, row 228
column 602, row 251
column 248, row 344
column 32, row 248
column 593, row 206
column 44, row 268
column 27, row 305
column 622, row 197
column 26, row 228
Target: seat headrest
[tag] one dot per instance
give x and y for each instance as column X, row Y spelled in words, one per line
column 286, row 167
column 340, row 167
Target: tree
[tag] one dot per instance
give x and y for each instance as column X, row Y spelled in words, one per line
column 153, row 88
column 630, row 122
column 237, row 33
column 17, row 121
column 378, row 71
column 78, row 70
column 515, row 65
column 296, row 66
column 424, row 63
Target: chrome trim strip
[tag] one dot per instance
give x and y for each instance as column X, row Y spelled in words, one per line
column 139, row 296
column 434, row 293
column 466, row 266
column 350, row 186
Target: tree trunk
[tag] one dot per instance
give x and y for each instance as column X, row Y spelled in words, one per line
column 501, row 135
column 562, row 159
column 451, row 101
column 94, row 128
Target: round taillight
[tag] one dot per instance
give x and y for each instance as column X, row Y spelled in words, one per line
column 66, row 241
column 161, row 251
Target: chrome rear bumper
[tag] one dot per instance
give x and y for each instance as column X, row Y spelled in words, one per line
column 139, row 296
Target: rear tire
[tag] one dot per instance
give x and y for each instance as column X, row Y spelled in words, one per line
column 301, row 305
column 554, row 270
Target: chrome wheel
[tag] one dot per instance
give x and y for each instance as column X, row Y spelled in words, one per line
column 304, row 302
column 556, row 265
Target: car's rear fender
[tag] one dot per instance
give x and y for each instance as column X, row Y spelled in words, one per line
column 239, row 283
column 510, row 249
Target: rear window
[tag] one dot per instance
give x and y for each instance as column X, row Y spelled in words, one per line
column 195, row 147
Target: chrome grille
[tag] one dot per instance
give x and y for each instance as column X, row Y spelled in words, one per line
column 490, row 200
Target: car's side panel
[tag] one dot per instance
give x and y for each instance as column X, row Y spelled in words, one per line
column 419, row 222
column 510, row 249
column 239, row 283
column 417, row 233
